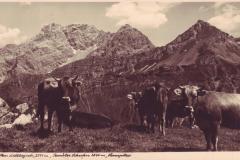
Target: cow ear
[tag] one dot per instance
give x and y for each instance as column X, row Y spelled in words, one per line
column 181, row 87
column 177, row 91
column 78, row 83
column 201, row 92
column 75, row 78
column 56, row 79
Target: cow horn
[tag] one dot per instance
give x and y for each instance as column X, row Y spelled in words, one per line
column 129, row 96
column 56, row 79
column 177, row 91
column 75, row 78
column 78, row 83
column 181, row 87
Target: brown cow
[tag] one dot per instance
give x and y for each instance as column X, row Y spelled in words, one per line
column 177, row 109
column 212, row 109
column 59, row 95
column 152, row 105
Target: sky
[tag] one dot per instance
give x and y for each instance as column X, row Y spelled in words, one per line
column 160, row 22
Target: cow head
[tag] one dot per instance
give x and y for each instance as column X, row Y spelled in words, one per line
column 70, row 91
column 50, row 83
column 189, row 93
column 136, row 96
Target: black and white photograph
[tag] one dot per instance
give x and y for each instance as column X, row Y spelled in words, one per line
column 119, row 77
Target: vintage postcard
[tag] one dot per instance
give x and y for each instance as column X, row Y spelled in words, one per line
column 120, row 79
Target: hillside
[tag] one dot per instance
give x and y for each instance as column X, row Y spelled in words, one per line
column 118, row 139
column 203, row 54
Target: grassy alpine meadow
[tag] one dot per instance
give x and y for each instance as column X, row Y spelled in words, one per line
column 120, row 138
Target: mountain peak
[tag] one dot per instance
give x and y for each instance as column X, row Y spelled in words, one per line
column 127, row 40
column 202, row 22
column 125, row 27
column 51, row 27
column 199, row 31
column 204, row 29
column 82, row 27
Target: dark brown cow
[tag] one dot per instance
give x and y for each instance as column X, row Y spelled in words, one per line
column 212, row 109
column 178, row 109
column 60, row 95
column 90, row 120
column 152, row 105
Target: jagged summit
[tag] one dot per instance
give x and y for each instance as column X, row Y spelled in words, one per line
column 126, row 41
column 201, row 30
column 125, row 27
column 202, row 43
column 53, row 46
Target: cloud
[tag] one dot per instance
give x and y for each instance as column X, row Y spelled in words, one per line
column 217, row 5
column 140, row 14
column 227, row 18
column 10, row 36
column 25, row 2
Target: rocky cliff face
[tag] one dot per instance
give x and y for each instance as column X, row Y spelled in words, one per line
column 126, row 41
column 54, row 46
column 112, row 56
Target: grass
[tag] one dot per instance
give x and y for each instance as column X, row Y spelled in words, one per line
column 117, row 139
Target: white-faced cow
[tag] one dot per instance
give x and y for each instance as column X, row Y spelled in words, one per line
column 212, row 109
column 177, row 109
column 151, row 105
column 60, row 95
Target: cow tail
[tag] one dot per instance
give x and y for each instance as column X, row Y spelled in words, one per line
column 40, row 101
column 164, row 103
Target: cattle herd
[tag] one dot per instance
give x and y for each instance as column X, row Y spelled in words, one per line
column 155, row 105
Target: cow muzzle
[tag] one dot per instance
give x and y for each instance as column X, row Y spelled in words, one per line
column 145, row 122
column 66, row 98
column 189, row 109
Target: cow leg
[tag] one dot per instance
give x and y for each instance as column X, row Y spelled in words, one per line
column 131, row 115
column 152, row 122
column 141, row 119
column 41, row 113
column 50, row 113
column 191, row 121
column 60, row 120
column 215, row 142
column 70, row 123
column 60, row 124
column 145, row 123
column 170, row 122
column 162, row 123
column 163, row 126
column 207, row 135
column 214, row 137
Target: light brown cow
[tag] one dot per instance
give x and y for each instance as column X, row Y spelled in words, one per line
column 212, row 109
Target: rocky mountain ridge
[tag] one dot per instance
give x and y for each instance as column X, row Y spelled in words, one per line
column 51, row 48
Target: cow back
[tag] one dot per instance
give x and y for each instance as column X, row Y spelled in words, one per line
column 219, row 106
